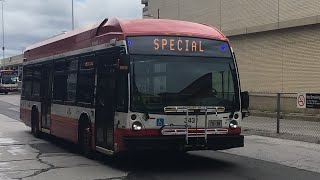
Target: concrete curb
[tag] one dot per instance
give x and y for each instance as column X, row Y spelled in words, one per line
column 273, row 134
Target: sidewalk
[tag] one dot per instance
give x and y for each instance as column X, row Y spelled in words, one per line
column 301, row 130
column 301, row 155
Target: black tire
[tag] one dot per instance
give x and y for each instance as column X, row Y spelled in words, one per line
column 35, row 124
column 85, row 139
column 5, row 92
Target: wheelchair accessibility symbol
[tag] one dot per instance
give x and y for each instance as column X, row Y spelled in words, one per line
column 160, row 122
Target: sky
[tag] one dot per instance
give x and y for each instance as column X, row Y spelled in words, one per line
column 29, row 21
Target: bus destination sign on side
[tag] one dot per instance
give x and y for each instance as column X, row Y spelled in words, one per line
column 178, row 46
column 7, row 72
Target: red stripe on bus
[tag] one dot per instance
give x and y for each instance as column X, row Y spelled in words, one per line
column 120, row 133
column 64, row 127
column 25, row 116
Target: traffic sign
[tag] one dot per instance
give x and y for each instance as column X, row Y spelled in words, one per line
column 301, row 100
column 308, row 100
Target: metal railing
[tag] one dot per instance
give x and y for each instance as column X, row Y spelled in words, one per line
column 277, row 113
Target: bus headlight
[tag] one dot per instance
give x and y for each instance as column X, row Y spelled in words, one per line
column 137, row 126
column 233, row 124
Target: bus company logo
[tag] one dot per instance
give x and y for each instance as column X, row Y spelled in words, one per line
column 185, row 45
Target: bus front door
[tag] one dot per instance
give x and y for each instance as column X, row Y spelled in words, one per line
column 105, row 100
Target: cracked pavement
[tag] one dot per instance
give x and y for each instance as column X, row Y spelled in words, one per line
column 24, row 157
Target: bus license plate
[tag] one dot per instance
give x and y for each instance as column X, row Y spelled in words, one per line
column 214, row 123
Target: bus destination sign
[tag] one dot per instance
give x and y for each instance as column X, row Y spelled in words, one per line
column 177, row 46
column 7, row 72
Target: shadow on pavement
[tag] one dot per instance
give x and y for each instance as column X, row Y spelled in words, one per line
column 163, row 162
column 155, row 161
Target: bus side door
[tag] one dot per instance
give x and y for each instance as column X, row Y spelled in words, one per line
column 106, row 98
column 45, row 94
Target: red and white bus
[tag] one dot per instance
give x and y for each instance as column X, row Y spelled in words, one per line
column 8, row 81
column 127, row 85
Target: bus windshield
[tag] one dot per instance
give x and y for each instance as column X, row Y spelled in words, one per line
column 160, row 81
column 9, row 79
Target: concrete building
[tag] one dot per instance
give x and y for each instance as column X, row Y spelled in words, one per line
column 13, row 63
column 276, row 41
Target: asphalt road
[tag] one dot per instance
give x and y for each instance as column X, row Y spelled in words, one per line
column 24, row 157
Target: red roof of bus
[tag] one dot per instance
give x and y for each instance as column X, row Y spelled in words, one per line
column 103, row 32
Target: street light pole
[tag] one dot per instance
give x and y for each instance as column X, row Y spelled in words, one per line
column 72, row 17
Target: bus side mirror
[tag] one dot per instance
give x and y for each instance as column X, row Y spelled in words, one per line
column 245, row 100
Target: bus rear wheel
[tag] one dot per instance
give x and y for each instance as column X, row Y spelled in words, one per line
column 85, row 139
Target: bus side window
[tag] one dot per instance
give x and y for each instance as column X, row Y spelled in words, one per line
column 60, row 81
column 86, row 81
column 122, row 92
column 36, row 81
column 27, row 82
column 72, row 72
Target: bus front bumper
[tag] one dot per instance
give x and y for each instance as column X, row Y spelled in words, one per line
column 214, row 142
column 7, row 89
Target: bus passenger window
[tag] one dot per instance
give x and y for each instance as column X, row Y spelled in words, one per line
column 36, row 81
column 59, row 87
column 27, row 82
column 72, row 67
column 86, row 80
column 122, row 99
column 60, row 81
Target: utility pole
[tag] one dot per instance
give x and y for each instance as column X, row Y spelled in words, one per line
column 72, row 16
column 3, row 47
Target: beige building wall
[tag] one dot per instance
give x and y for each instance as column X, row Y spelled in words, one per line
column 12, row 61
column 236, row 17
column 276, row 41
column 286, row 60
